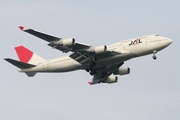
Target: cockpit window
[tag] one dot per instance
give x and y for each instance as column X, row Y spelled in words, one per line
column 157, row 35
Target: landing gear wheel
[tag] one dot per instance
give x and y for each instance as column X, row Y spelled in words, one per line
column 154, row 57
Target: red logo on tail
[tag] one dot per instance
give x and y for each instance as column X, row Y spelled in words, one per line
column 23, row 53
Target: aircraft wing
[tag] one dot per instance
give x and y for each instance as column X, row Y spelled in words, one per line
column 87, row 58
column 82, row 53
column 102, row 74
column 64, row 45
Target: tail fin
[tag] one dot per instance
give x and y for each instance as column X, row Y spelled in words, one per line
column 27, row 56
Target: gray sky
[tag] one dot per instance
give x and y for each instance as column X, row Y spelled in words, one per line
column 150, row 92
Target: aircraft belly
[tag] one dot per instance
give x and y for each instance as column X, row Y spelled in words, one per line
column 66, row 66
column 59, row 65
column 140, row 51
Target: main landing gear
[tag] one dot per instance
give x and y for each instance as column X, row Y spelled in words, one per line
column 91, row 69
column 154, row 55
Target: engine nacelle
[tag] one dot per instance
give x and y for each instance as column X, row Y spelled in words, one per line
column 68, row 42
column 112, row 79
column 100, row 49
column 123, row 71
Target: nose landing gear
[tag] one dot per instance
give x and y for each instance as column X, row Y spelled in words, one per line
column 154, row 55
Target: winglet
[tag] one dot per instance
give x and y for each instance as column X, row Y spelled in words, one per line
column 89, row 83
column 21, row 27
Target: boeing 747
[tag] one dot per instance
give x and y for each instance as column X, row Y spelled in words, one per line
column 102, row 62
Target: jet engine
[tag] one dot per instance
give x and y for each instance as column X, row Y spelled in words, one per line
column 112, row 79
column 123, row 71
column 100, row 49
column 68, row 42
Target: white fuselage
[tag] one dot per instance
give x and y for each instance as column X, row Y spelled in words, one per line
column 127, row 49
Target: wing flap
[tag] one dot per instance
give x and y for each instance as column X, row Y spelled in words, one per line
column 84, row 57
column 76, row 47
column 59, row 47
column 80, row 46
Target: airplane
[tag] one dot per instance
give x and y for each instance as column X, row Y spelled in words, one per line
column 102, row 62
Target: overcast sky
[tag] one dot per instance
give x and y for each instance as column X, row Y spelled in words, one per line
column 150, row 92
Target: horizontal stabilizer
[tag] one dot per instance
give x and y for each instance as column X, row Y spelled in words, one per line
column 19, row 64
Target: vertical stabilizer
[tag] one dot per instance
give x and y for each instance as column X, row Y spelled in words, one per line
column 27, row 56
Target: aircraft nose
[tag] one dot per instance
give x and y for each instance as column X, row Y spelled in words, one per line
column 164, row 42
column 169, row 41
